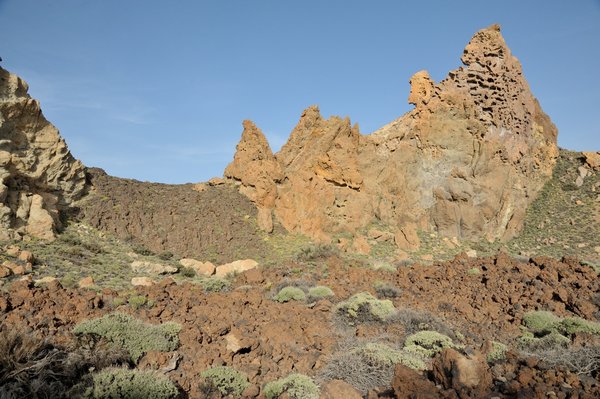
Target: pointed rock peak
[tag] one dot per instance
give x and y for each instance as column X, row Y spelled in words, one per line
column 309, row 122
column 312, row 112
column 486, row 47
column 253, row 146
column 421, row 88
column 253, row 138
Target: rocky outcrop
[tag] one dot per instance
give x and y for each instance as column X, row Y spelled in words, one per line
column 38, row 176
column 465, row 162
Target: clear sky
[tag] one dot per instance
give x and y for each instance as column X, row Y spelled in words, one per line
column 157, row 90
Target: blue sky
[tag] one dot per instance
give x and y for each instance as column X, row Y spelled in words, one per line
column 157, row 90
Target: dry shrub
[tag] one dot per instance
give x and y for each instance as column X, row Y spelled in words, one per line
column 581, row 361
column 31, row 367
column 414, row 321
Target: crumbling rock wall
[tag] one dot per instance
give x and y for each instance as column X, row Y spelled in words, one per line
column 38, row 176
column 465, row 162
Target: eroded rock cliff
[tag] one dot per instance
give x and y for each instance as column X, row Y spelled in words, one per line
column 39, row 177
column 465, row 162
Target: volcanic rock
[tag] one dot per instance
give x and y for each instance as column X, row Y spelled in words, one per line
column 238, row 266
column 39, row 177
column 466, row 162
column 204, row 268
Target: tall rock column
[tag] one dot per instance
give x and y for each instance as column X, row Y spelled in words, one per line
column 39, row 177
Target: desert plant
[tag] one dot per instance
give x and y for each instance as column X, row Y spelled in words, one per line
column 428, row 343
column 227, row 380
column 31, row 367
column 137, row 301
column 131, row 334
column 474, row 271
column 386, row 290
column 320, row 292
column 187, row 271
column 296, row 386
column 416, row 320
column 581, row 361
column 365, row 307
column 530, row 343
column 287, row 294
column 131, row 384
column 215, row 284
column 540, row 322
column 572, row 325
column 498, row 352
column 315, row 252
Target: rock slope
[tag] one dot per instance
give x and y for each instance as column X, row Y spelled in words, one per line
column 465, row 162
column 39, row 177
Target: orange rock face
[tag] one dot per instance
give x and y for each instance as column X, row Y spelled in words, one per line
column 466, row 162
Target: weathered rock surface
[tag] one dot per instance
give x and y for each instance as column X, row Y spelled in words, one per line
column 139, row 266
column 237, row 266
column 465, row 162
column 39, row 177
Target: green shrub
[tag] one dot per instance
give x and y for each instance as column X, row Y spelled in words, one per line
column 474, row 271
column 227, row 380
column 529, row 342
column 314, row 252
column 540, row 322
column 287, row 294
column 137, row 301
column 187, row 271
column 167, row 255
column 319, row 292
column 215, row 284
column 498, row 352
column 572, row 325
column 380, row 353
column 120, row 383
column 297, row 386
column 131, row 334
column 365, row 307
column 428, row 343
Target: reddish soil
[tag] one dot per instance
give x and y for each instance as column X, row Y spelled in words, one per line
column 280, row 338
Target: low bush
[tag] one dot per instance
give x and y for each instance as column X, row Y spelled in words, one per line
column 315, row 252
column 131, row 334
column 497, row 353
column 386, row 290
column 137, row 301
column 287, row 294
column 215, row 284
column 365, row 307
column 296, row 386
column 35, row 368
column 187, row 271
column 416, row 320
column 122, row 383
column 428, row 343
column 227, row 380
column 368, row 366
column 540, row 322
column 319, row 292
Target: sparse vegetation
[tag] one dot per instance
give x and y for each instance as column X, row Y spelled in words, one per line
column 227, row 380
column 497, row 353
column 288, row 294
column 131, row 384
column 296, row 386
column 365, row 307
column 133, row 335
column 214, row 284
column 428, row 343
column 386, row 290
column 319, row 292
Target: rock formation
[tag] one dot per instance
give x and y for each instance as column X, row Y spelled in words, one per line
column 465, row 162
column 38, row 176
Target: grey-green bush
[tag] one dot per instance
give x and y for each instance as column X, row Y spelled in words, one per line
column 118, row 383
column 131, row 334
column 297, row 386
column 227, row 380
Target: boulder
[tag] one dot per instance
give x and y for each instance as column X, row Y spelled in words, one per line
column 338, row 389
column 469, row 376
column 139, row 266
column 202, row 268
column 4, row 272
column 592, row 159
column 26, row 256
column 86, row 282
column 410, row 384
column 238, row 266
column 142, row 281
